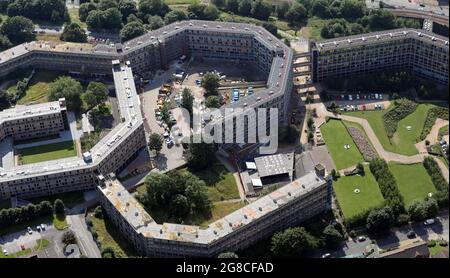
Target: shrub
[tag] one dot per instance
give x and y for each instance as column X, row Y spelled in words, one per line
column 388, row 185
column 438, row 180
column 432, row 114
column 403, row 108
column 431, row 243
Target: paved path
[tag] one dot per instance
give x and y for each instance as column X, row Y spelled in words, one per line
column 85, row 240
column 388, row 156
column 432, row 137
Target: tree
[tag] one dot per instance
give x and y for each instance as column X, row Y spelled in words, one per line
column 110, row 19
column 180, row 206
column 292, row 242
column 210, row 13
column 288, row 134
column 89, row 101
column 85, row 9
column 431, row 208
column 416, row 210
column 58, row 207
column 272, row 28
column 98, row 212
column 210, row 82
column 68, row 238
column 155, row 22
column 50, row 10
column 379, row 220
column 5, row 43
column 219, row 3
column 296, row 14
column 232, row 6
column 200, row 155
column 352, row 9
column 155, row 142
column 282, row 9
column 188, row 100
column 381, row 20
column 108, row 253
column 99, row 91
column 261, row 10
column 5, row 99
column 321, row 9
column 73, row 33
column 212, row 102
column 18, row 29
column 153, row 7
column 127, row 8
column 68, row 88
column 332, row 236
column 132, row 30
column 245, row 7
column 134, row 18
column 227, row 255
column 360, row 168
column 174, row 16
column 103, row 5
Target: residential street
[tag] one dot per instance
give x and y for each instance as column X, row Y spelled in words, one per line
column 87, row 245
column 352, row 247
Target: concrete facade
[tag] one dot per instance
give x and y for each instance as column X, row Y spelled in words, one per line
column 288, row 206
column 423, row 53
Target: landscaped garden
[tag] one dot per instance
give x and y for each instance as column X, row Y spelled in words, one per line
column 357, row 194
column 341, row 146
column 413, row 181
column 47, row 152
column 405, row 134
column 37, row 91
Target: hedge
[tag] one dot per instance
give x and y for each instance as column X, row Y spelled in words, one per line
column 403, row 108
column 433, row 114
column 438, row 180
column 388, row 185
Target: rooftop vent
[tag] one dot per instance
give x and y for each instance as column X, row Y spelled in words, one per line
column 260, row 208
column 190, row 24
column 349, row 41
column 136, row 213
column 271, row 92
column 127, row 204
column 289, row 193
column 245, row 216
column 390, row 35
column 245, row 104
column 363, row 39
column 274, row 201
column 377, row 36
column 419, row 34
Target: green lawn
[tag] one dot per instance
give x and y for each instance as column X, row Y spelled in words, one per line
column 352, row 203
column 403, row 140
column 75, row 18
column 219, row 210
column 413, row 181
column 47, row 152
column 60, row 223
column 37, row 90
column 443, row 131
column 436, row 249
column 336, row 136
column 220, row 183
column 109, row 236
column 313, row 28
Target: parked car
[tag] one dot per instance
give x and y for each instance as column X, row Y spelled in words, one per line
column 327, row 255
column 5, row 252
column 361, row 238
column 38, row 228
column 411, row 234
column 30, row 231
column 429, row 222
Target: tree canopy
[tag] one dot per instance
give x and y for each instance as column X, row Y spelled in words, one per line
column 292, row 242
column 210, row 82
column 69, row 88
column 18, row 29
column 73, row 33
column 132, row 30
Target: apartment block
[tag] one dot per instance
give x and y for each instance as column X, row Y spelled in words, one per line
column 288, row 206
column 423, row 53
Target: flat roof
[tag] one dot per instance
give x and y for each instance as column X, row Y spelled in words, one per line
column 271, row 165
column 143, row 223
